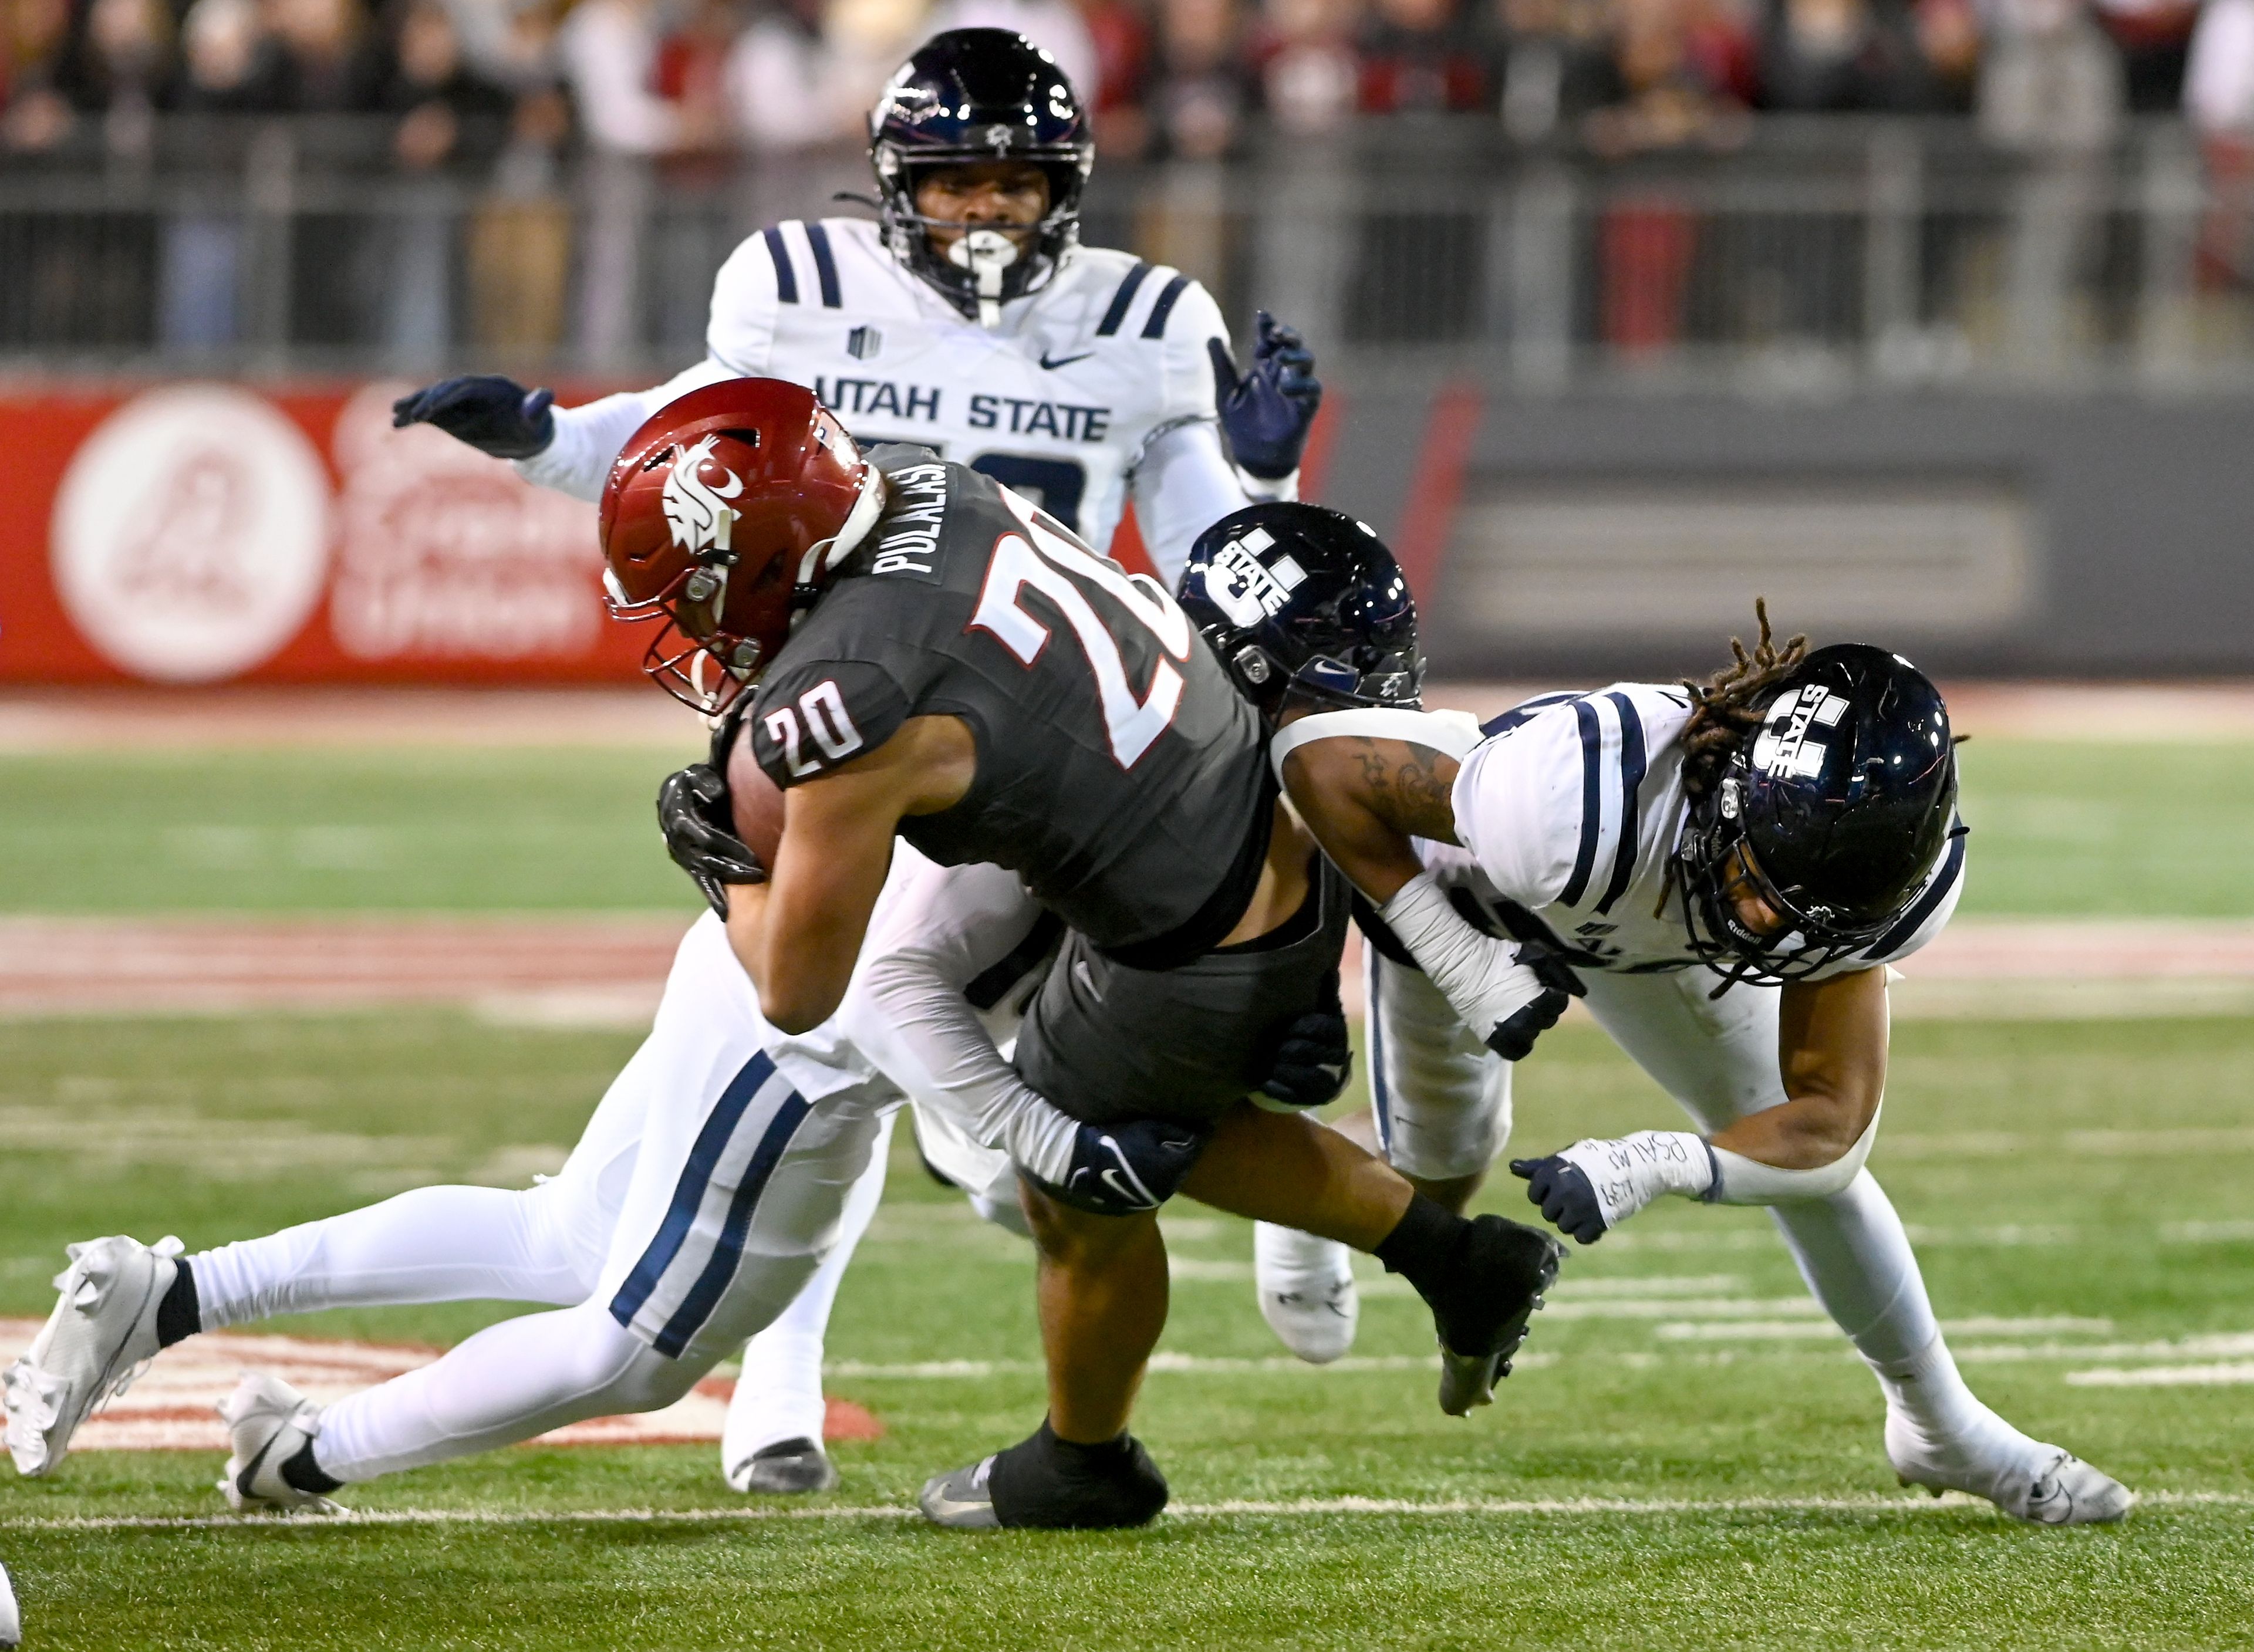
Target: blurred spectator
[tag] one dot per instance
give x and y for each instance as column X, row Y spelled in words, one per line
column 33, row 114
column 1304, row 54
column 1825, row 55
column 1053, row 26
column 1120, row 35
column 520, row 251
column 229, row 65
column 608, row 50
column 2219, row 98
column 1424, row 55
column 328, row 64
column 120, row 69
column 1678, row 71
column 2154, row 38
column 1197, row 106
column 783, row 89
column 450, row 116
column 1558, row 66
column 2050, row 80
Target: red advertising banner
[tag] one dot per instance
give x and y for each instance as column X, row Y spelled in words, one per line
column 201, row 533
column 209, row 533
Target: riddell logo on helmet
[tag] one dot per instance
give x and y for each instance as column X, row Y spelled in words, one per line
column 694, row 509
column 1784, row 745
column 1243, row 587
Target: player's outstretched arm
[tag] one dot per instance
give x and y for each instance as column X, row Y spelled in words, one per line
column 798, row 934
column 1365, row 798
column 1831, row 1049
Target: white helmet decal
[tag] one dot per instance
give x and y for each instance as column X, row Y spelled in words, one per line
column 694, row 509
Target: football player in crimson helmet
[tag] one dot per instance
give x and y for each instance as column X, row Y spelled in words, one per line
column 723, row 519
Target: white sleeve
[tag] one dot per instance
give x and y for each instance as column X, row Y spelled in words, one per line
column 1181, row 485
column 587, row 438
column 948, row 926
column 1517, row 801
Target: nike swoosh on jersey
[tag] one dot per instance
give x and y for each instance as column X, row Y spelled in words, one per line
column 1064, row 361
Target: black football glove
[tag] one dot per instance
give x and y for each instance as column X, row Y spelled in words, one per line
column 692, row 812
column 1267, row 412
column 1567, row 1197
column 494, row 414
column 1123, row 1169
column 1512, row 1037
column 1313, row 1058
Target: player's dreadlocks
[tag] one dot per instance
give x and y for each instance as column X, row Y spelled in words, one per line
column 1729, row 705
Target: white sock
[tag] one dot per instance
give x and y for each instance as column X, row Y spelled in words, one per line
column 778, row 1395
column 1856, row 1259
column 435, row 1244
column 507, row 1383
column 1927, row 1389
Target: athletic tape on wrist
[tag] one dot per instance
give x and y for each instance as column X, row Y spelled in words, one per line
column 1629, row 1173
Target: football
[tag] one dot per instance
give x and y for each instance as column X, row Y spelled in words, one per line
column 755, row 801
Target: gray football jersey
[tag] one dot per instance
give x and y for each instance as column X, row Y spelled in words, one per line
column 1119, row 773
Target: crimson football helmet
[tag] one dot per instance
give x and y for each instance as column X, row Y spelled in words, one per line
column 724, row 516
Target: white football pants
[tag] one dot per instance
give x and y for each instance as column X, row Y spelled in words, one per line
column 1443, row 1109
column 705, row 1193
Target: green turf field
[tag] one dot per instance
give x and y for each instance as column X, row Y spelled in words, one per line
column 1688, row 1458
column 2116, row 829
column 1755, row 1506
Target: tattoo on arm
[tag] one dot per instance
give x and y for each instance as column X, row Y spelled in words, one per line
column 1409, row 787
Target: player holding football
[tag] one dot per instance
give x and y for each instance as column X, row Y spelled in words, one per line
column 1726, row 872
column 969, row 319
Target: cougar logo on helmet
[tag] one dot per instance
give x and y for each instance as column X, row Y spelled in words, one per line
column 694, row 509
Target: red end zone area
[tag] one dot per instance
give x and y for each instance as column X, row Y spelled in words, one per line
column 213, row 533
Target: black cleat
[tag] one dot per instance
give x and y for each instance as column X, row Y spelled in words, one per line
column 1504, row 1268
column 788, row 1466
column 1044, row 1481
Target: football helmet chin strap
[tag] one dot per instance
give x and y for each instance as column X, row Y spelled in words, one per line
column 987, row 253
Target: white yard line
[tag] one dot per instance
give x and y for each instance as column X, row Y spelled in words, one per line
column 2165, row 1376
column 1570, row 1508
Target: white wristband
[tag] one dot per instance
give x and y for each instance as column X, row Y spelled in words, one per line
column 1629, row 1173
column 1739, row 1180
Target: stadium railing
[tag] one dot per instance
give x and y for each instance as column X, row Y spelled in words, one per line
column 1813, row 252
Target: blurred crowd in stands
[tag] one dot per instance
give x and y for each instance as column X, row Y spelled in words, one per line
column 468, row 81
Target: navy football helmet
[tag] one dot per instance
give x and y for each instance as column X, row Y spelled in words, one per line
column 1842, row 799
column 970, row 95
column 1300, row 601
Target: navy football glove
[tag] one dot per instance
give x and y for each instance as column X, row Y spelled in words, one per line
column 1119, row 1170
column 493, row 415
column 1567, row 1197
column 1313, row 1059
column 1267, row 412
column 692, row 812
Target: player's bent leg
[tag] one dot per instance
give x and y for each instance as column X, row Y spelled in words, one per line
column 509, row 1383
column 1719, row 1059
column 773, row 1440
column 1102, row 1290
column 1483, row 1278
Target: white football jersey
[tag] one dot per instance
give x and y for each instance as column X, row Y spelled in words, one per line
column 1570, row 811
column 1097, row 386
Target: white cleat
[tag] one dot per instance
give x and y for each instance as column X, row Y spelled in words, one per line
column 100, row 1337
column 1307, row 1292
column 2023, row 1477
column 268, row 1423
column 11, row 1619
